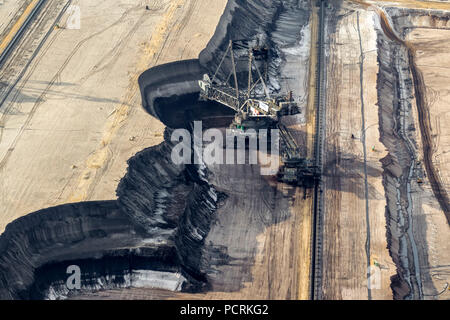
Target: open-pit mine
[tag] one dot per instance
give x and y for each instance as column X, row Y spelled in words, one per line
column 226, row 149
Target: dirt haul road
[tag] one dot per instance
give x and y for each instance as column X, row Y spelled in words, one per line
column 419, row 253
column 354, row 222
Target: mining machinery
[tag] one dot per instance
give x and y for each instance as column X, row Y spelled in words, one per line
column 256, row 108
column 295, row 169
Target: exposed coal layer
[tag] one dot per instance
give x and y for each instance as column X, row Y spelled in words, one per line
column 395, row 165
column 90, row 230
column 158, row 223
column 122, row 268
column 164, row 211
column 248, row 20
column 170, row 92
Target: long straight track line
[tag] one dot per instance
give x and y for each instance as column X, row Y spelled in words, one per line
column 36, row 51
column 317, row 227
column 15, row 39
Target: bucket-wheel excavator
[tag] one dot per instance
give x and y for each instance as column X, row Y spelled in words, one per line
column 256, row 108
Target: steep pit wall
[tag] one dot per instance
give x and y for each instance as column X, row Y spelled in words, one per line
column 401, row 98
column 170, row 89
column 56, row 237
column 157, row 224
column 173, row 203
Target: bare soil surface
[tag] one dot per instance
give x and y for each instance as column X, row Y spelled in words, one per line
column 354, row 221
column 75, row 117
column 431, row 59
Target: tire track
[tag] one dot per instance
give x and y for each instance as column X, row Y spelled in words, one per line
column 114, row 54
column 439, row 191
column 55, row 78
column 101, row 155
column 39, row 100
column 178, row 29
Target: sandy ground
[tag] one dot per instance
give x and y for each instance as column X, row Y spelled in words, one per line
column 74, row 119
column 429, row 223
column 349, row 206
column 412, row 4
column 9, row 11
column 433, row 59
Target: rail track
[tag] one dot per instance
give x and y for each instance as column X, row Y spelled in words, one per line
column 317, row 225
column 38, row 9
column 5, row 53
